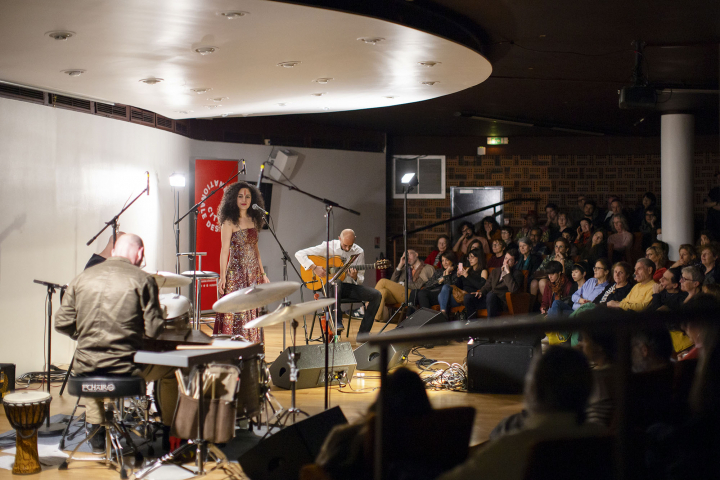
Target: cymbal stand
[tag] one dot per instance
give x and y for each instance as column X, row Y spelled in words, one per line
column 293, row 411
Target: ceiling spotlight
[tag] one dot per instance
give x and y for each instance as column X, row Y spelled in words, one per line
column 177, row 180
column 233, row 15
column 290, row 64
column 430, row 84
column 212, row 106
column 184, row 112
column 218, row 99
column 390, row 97
column 326, row 108
column 151, row 80
column 318, row 94
column 60, row 35
column 371, row 40
column 428, row 64
column 200, row 90
column 75, row 72
column 226, row 114
column 282, row 104
column 206, row 50
column 323, row 80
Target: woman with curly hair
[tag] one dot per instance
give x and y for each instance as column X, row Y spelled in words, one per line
column 240, row 263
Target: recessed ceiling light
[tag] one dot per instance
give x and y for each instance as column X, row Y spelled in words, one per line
column 218, row 99
column 206, row 50
column 60, row 35
column 212, row 106
column 323, row 80
column 430, row 84
column 75, row 72
column 234, row 14
column 200, row 90
column 428, row 64
column 390, row 97
column 282, row 104
column 318, row 94
column 289, row 64
column 371, row 40
column 151, row 80
column 326, row 108
column 184, row 112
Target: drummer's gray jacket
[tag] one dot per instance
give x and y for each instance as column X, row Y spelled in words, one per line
column 107, row 309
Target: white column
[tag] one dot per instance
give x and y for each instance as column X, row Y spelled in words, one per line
column 677, row 148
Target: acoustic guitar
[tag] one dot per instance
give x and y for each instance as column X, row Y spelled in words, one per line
column 336, row 262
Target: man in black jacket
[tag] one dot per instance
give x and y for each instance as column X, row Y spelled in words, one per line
column 492, row 295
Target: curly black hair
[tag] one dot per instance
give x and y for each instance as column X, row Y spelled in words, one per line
column 229, row 209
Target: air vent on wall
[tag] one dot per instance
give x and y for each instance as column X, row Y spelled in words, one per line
column 142, row 116
column 181, row 128
column 22, row 93
column 114, row 111
column 163, row 123
column 70, row 102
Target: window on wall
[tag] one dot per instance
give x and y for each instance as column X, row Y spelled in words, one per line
column 430, row 171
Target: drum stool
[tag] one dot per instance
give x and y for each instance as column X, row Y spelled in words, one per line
column 115, row 388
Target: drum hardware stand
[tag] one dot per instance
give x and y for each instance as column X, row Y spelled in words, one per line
column 50, row 429
column 194, row 210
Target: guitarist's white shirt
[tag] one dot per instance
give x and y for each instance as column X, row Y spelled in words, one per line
column 335, row 249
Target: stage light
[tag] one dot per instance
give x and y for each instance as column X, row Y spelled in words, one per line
column 177, row 180
column 409, row 179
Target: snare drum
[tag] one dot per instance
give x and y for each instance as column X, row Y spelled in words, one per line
column 26, row 412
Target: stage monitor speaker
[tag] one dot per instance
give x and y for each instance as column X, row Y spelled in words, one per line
column 8, row 383
column 310, row 362
column 284, row 161
column 368, row 356
column 281, row 455
column 498, row 367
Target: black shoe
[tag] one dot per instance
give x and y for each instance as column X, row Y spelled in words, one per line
column 97, row 442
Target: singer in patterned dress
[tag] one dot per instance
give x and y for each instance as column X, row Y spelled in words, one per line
column 240, row 263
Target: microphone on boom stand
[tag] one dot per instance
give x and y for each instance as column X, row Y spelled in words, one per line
column 243, row 171
column 260, row 177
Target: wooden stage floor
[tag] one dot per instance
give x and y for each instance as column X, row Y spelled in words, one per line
column 489, row 408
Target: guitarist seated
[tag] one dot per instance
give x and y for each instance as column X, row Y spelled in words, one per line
column 351, row 287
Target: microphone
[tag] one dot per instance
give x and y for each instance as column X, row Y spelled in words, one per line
column 243, row 171
column 148, row 182
column 260, row 177
column 255, row 206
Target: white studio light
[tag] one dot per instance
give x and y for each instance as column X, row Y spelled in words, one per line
column 406, row 178
column 177, row 180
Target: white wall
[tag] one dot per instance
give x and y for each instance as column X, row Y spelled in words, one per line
column 65, row 173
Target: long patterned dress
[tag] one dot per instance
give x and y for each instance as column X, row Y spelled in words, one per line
column 243, row 270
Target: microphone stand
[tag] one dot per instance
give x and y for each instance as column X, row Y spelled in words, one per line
column 114, row 221
column 194, row 209
column 54, row 428
column 329, row 205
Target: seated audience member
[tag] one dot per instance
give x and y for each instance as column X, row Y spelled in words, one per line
column 538, row 247
column 712, row 289
column 433, row 259
column 621, row 285
column 498, row 254
column 570, row 236
column 706, row 238
column 343, row 455
column 663, row 246
column 508, row 235
column 641, row 294
column 528, row 261
column 699, row 323
column 561, row 255
column 622, row 239
column 579, row 275
column 551, row 229
column 615, row 207
column 565, row 305
column 578, row 211
column 691, row 282
column 556, row 393
column 594, row 286
column 470, row 278
column 528, row 222
column 490, row 229
column 648, row 202
column 667, row 294
column 584, row 234
column 655, row 255
column 564, row 223
column 708, row 258
column 592, row 214
column 491, row 296
column 428, row 295
column 467, row 235
column 557, row 289
column 596, row 249
column 687, row 256
column 393, row 290
column 650, row 226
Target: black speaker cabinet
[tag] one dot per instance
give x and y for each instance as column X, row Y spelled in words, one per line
column 498, row 367
column 281, row 455
column 310, row 361
column 368, row 357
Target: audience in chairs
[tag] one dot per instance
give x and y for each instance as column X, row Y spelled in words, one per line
column 529, row 221
column 592, row 213
column 502, row 280
column 538, row 247
column 508, row 236
column 650, row 226
column 443, row 243
column 666, row 293
column 551, row 229
column 584, row 234
column 657, row 256
column 393, row 291
column 708, row 259
column 619, row 288
column 498, row 254
column 594, row 286
column 596, row 249
column 537, row 285
column 470, row 279
column 557, row 289
column 528, row 261
column 621, row 240
column 691, row 282
column 687, row 256
column 467, row 235
column 428, row 295
column 490, row 229
column 641, row 294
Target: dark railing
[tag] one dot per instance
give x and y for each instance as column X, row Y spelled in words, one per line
column 495, row 213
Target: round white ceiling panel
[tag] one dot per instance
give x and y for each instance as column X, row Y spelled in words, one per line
column 251, row 57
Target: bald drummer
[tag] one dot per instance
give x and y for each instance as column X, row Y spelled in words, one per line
column 352, row 287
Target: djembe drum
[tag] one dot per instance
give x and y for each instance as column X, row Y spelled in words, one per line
column 26, row 412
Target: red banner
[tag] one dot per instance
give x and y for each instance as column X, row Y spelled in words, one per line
column 210, row 174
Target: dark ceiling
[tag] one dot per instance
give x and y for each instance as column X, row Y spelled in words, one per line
column 557, row 63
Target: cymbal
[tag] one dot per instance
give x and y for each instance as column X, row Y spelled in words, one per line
column 200, row 274
column 286, row 314
column 255, row 296
column 170, row 280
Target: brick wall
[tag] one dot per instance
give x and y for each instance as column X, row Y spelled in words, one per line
column 550, row 178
